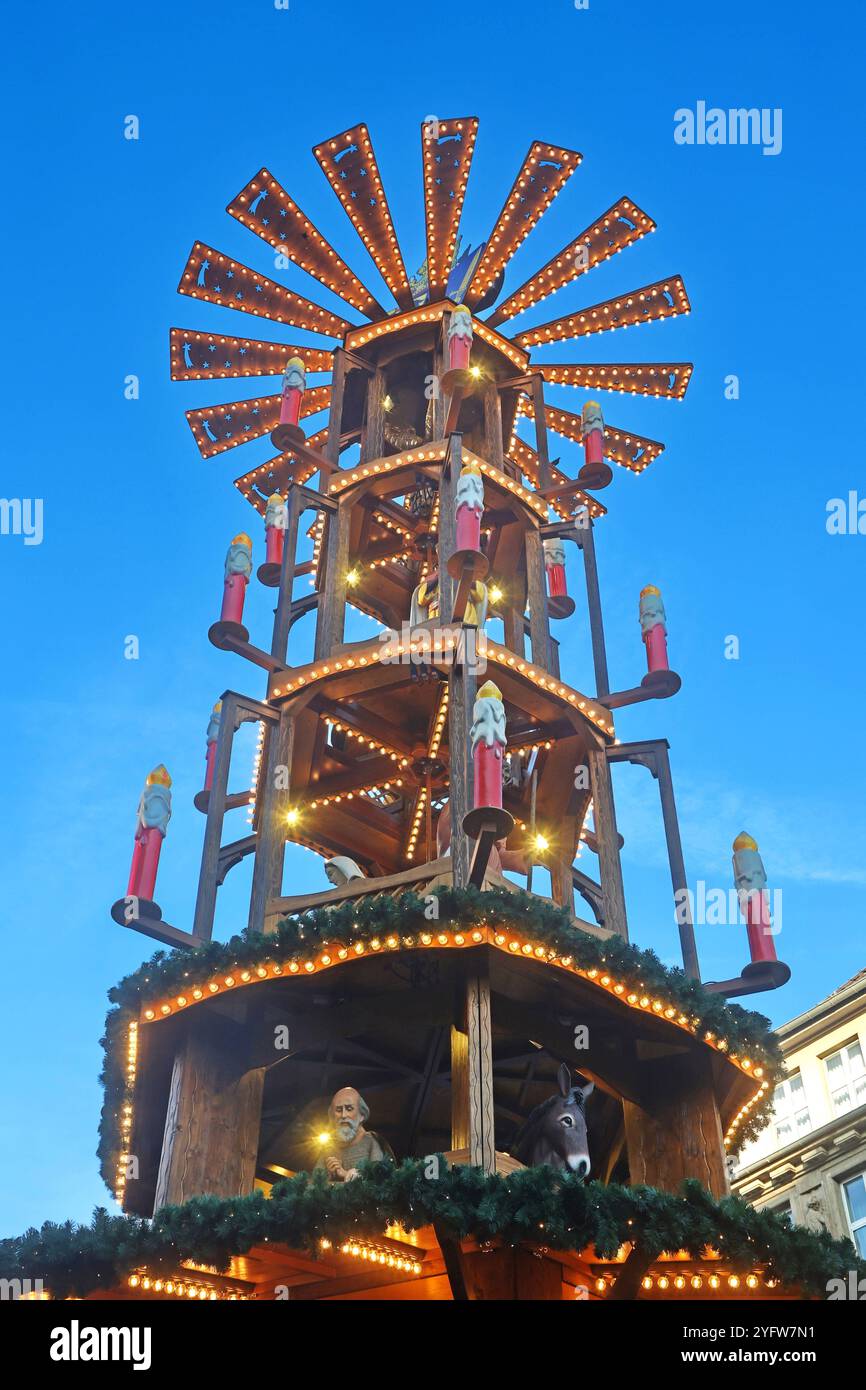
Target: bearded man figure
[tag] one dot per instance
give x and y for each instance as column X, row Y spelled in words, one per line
column 352, row 1143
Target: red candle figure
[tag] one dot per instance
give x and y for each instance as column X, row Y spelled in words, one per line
column 659, row 679
column 487, row 737
column 154, row 814
column 554, row 563
column 276, row 519
column 276, row 524
column 467, row 558
column 653, row 626
column 288, row 431
column 560, row 605
column 488, row 818
column 213, row 733
column 459, row 339
column 469, row 507
column 458, row 378
column 592, row 431
column 751, row 884
column 294, row 385
column 238, row 568
column 595, row 472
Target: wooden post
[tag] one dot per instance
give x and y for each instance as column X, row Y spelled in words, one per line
column 374, row 434
column 493, row 426
column 536, row 583
column 335, row 418
column 447, row 523
column 205, row 902
column 677, row 863
column 440, row 358
column 607, row 835
column 678, row 1134
column 459, row 1089
column 462, row 684
column 593, row 598
column 540, row 432
column 283, row 611
column 653, row 754
column 561, row 881
column 513, row 622
column 331, row 619
column 211, row 1138
column 271, row 819
column 479, row 1032
column 461, row 680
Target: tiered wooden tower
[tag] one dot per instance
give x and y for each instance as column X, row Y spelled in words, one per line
column 374, row 753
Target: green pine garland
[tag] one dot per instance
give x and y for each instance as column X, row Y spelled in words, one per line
column 458, row 909
column 533, row 1205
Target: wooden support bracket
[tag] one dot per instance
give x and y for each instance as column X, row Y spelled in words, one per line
column 656, row 685
column 487, row 836
column 149, row 923
column 231, row 642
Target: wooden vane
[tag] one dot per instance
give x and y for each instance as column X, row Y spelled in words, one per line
column 278, row 474
column 266, row 208
column 220, row 427
column 543, row 173
column 620, row 226
column 349, row 164
column 220, row 280
column 633, row 451
column 199, row 356
column 661, row 300
column 665, row 379
column 446, row 148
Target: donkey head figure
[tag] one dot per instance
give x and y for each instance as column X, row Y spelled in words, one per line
column 555, row 1131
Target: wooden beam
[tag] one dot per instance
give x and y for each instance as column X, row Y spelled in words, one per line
column 484, row 843
column 283, row 612
column 629, row 1278
column 211, row 1136
column 614, row 1072
column 425, row 1086
column 536, row 583
column 479, row 1032
column 561, row 881
column 368, row 772
column 461, row 684
column 537, row 393
column 271, row 811
column 331, row 620
column 363, row 720
column 360, row 887
column 610, row 868
column 677, row 1133
column 493, row 427
column 335, row 418
column 205, row 903
column 374, row 432
column 459, row 1089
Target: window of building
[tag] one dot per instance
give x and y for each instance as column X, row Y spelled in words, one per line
column 855, row 1201
column 791, row 1109
column 846, row 1077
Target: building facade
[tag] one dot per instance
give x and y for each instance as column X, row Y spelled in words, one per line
column 810, row 1162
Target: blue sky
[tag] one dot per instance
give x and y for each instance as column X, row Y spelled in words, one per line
column 730, row 522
